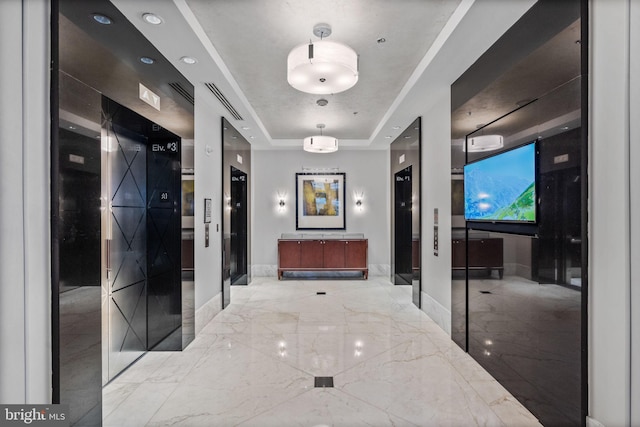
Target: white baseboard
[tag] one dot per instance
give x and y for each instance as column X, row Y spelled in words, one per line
column 437, row 312
column 380, row 270
column 208, row 311
column 264, row 270
column 592, row 422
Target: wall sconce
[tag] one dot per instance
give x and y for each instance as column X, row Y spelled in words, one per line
column 358, row 196
column 281, row 201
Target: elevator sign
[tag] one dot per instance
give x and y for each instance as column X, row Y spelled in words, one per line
column 149, row 97
column 171, row 147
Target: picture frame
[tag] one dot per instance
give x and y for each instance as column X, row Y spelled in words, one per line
column 207, row 211
column 320, row 201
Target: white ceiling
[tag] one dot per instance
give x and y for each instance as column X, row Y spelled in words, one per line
column 254, row 37
column 242, row 46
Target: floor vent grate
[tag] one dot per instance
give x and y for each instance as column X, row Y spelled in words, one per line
column 321, row 293
column 323, row 382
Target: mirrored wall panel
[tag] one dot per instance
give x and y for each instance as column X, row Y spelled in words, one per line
column 518, row 171
column 518, row 263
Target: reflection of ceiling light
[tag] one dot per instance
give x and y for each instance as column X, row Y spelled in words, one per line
column 147, row 60
column 388, row 137
column 396, row 128
column 188, row 60
column 320, row 143
column 102, row 19
column 484, row 143
column 323, row 67
column 152, row 19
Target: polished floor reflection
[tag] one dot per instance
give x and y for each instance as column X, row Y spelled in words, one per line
column 527, row 335
column 256, row 362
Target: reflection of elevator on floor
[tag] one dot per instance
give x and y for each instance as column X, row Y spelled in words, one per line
column 141, row 183
column 238, row 245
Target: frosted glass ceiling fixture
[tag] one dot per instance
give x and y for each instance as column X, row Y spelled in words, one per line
column 483, row 143
column 320, row 143
column 323, row 67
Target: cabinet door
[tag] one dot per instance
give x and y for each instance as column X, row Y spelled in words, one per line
column 485, row 253
column 356, row 254
column 493, row 252
column 457, row 253
column 289, row 254
column 311, row 255
column 334, row 253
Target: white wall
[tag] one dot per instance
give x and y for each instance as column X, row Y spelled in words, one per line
column 208, row 182
column 367, row 171
column 609, row 256
column 25, row 274
column 436, row 193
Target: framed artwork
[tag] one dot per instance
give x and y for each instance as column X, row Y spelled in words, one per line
column 188, row 201
column 320, row 201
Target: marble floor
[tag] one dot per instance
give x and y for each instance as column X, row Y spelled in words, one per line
column 254, row 365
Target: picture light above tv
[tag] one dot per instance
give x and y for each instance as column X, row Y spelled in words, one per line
column 502, row 188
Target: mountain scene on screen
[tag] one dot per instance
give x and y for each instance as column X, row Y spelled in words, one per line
column 502, row 198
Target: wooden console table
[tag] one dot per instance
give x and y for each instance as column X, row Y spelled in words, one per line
column 322, row 255
column 484, row 254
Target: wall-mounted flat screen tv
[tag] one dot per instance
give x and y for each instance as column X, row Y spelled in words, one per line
column 502, row 188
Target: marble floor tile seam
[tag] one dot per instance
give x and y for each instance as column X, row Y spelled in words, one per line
column 248, row 348
column 310, row 391
column 295, row 364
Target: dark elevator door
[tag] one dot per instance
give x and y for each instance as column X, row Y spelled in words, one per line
column 238, row 245
column 559, row 243
column 403, row 273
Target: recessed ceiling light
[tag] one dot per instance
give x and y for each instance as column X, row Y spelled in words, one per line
column 564, row 128
column 245, row 128
column 407, row 137
column 72, row 127
column 388, row 137
column 252, row 137
column 395, row 127
column 147, row 60
column 101, row 19
column 152, row 18
column 188, row 60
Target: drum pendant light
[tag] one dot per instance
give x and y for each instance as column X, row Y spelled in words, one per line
column 323, row 67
